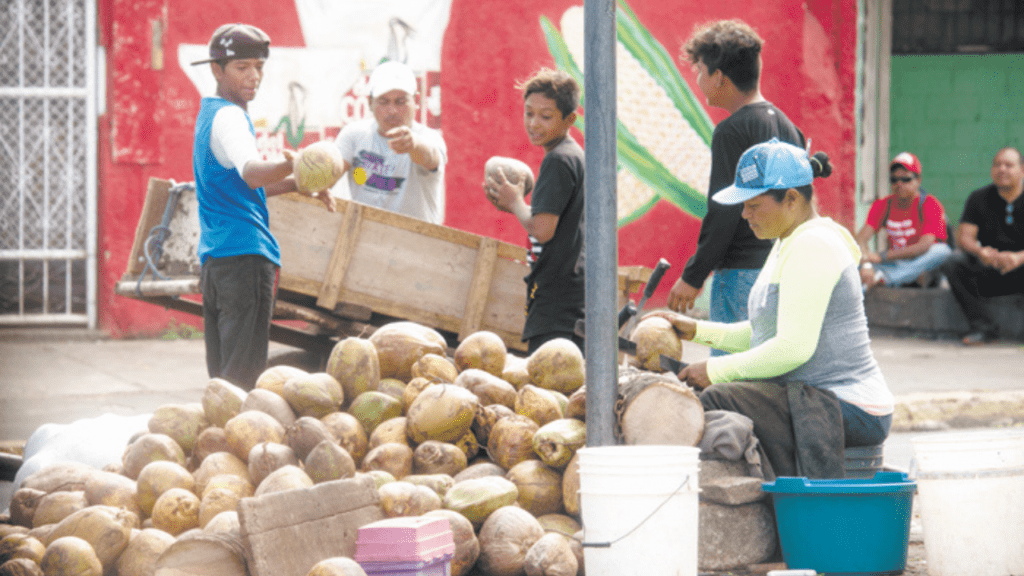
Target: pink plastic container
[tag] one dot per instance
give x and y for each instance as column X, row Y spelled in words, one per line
column 437, row 567
column 407, row 539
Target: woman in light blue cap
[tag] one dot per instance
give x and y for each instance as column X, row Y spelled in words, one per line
column 802, row 368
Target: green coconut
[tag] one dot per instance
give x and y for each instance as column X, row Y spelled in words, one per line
column 372, row 408
column 354, row 364
column 480, row 470
column 336, row 566
column 436, row 368
column 284, row 479
column 560, row 523
column 317, row 394
column 176, row 511
column 485, row 419
column 391, row 430
column 139, row 557
column 266, row 457
column 540, row 487
column 211, row 440
column 249, row 429
column 157, row 478
column 477, row 498
column 482, row 350
column 538, row 404
column 412, row 390
column 21, row 546
column 551, row 555
column 349, row 433
column 515, row 372
column 150, row 448
column 395, row 459
column 21, row 567
column 442, row 412
column 392, row 387
column 511, row 441
column 329, row 461
column 105, row 528
column 216, row 464
column 275, row 377
column 71, row 556
column 490, row 389
column 439, row 483
column 467, row 546
column 182, row 422
column 57, row 506
column 505, row 538
column 406, row 499
column 557, row 365
column 306, row 433
column 571, row 487
column 271, row 403
column 654, row 337
column 557, row 441
column 433, row 457
column 400, row 344
column 577, row 406
column 221, row 401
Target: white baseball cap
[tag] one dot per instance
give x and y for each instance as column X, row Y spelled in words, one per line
column 390, row 76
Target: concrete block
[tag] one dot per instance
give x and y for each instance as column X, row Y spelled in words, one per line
column 934, row 312
column 732, row 490
column 735, row 536
column 711, row 470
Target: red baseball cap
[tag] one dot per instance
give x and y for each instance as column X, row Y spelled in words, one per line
column 908, row 161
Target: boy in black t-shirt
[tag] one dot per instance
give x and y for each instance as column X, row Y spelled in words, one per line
column 555, row 294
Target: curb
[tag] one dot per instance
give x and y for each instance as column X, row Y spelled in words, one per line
column 943, row 411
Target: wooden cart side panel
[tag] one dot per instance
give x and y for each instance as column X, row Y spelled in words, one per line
column 480, row 287
column 343, row 248
column 152, row 213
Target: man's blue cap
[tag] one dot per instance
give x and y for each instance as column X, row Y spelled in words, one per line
column 771, row 165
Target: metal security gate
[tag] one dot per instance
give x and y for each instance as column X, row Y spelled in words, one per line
column 47, row 162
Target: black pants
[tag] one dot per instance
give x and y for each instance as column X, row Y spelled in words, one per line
column 238, row 300
column 971, row 281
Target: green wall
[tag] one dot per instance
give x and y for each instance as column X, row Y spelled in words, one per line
column 954, row 112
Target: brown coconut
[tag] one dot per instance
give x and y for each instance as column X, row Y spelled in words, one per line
column 354, row 364
column 577, row 406
column 407, row 499
column 551, row 556
column 514, row 170
column 57, row 506
column 372, row 408
column 392, row 387
column 20, row 567
column 349, row 433
column 412, row 390
column 221, row 401
column 483, row 350
column 395, row 459
column 242, row 487
column 537, row 404
column 266, row 457
column 511, row 441
column 214, row 502
column 442, row 412
column 467, row 547
column 317, row 394
column 469, row 445
column 561, row 523
column 490, row 389
column 477, row 498
column 249, row 429
column 284, row 479
column 439, row 483
column 336, row 566
column 23, row 506
column 515, row 372
column 211, row 440
column 139, row 557
column 218, row 463
column 400, row 344
column 271, row 403
column 433, row 457
column 71, row 556
column 176, row 511
column 557, row 441
column 305, row 433
column 21, row 546
column 485, row 419
column 434, row 367
column 540, row 487
column 557, row 365
column 150, row 448
column 655, row 336
column 105, row 528
column 183, row 422
column 505, row 538
column 571, row 487
column 391, row 430
column 274, row 378
column 157, row 478
column 480, row 470
column 328, row 461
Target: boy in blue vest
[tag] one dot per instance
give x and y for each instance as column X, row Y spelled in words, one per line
column 240, row 257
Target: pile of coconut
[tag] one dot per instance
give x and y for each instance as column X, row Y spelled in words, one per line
column 483, row 438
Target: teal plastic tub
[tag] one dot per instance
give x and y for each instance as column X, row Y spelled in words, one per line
column 844, row 527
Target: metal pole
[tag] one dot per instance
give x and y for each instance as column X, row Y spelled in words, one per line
column 600, row 239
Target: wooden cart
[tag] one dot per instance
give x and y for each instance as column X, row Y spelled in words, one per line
column 347, row 272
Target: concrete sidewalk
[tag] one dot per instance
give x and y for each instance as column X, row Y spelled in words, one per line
column 58, row 376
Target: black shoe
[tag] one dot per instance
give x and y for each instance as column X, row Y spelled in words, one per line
column 979, row 337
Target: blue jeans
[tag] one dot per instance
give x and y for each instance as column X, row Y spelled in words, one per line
column 901, row 272
column 863, row 429
column 730, row 289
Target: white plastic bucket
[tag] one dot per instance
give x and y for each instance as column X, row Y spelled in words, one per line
column 971, row 493
column 639, row 507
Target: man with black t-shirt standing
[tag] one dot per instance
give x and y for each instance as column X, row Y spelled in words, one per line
column 727, row 58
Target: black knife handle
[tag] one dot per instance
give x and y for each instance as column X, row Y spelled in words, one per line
column 655, row 279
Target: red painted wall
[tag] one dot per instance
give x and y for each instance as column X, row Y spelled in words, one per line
column 809, row 72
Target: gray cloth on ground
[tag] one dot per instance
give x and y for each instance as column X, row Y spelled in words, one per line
column 730, row 436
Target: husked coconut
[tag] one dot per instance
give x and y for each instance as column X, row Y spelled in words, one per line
column 515, row 171
column 407, row 499
column 337, row 566
column 483, row 350
column 467, row 547
column 249, row 429
column 214, row 502
column 400, row 344
column 284, row 479
column 305, row 433
column 70, row 555
column 271, row 403
column 211, row 440
column 490, row 389
column 329, row 461
column 557, row 441
column 477, row 498
column 395, row 459
column 144, row 547
column 221, row 401
column 434, row 367
column 412, row 390
column 150, row 448
column 557, row 365
column 561, row 523
column 372, row 408
column 505, row 538
column 655, row 336
column 551, row 556
column 537, row 404
column 479, row 470
column 433, row 457
column 21, row 546
column 176, row 511
column 157, row 478
column 182, row 422
column 266, row 457
column 57, row 506
column 105, row 528
column 511, row 441
column 20, row 567
column 540, row 487
column 516, row 372
column 349, row 433
column 354, row 364
column 439, row 483
column 218, row 463
column 274, row 378
column 485, row 419
column 391, row 430
column 571, row 487
column 442, row 412
column 317, row 394
column 577, row 406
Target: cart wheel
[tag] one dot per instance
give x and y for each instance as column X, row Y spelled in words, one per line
column 303, row 359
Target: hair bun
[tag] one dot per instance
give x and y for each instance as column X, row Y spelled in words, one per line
column 820, row 165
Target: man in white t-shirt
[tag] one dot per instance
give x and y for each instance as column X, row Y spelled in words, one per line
column 392, row 161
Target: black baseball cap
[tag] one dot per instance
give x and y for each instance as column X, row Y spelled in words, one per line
column 237, row 41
